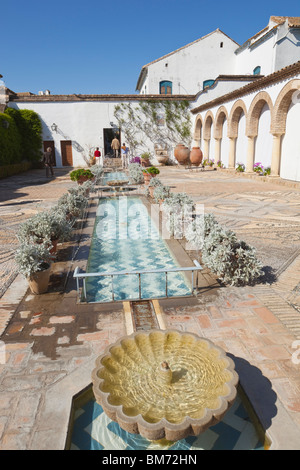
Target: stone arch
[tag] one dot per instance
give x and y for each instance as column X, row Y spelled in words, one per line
column 198, row 128
column 221, row 115
column 208, row 123
column 237, row 109
column 258, row 102
column 282, row 105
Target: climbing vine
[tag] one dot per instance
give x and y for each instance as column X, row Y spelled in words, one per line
column 162, row 122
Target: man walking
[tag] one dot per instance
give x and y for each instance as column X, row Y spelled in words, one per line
column 115, row 145
column 48, row 162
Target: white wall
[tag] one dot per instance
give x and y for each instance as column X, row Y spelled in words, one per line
column 241, row 141
column 188, row 67
column 288, row 49
column 263, row 145
column 262, row 55
column 290, row 152
column 224, row 153
column 80, row 122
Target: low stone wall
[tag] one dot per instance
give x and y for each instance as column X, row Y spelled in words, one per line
column 9, row 170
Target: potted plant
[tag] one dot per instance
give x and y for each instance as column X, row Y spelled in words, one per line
column 145, row 159
column 34, row 262
column 161, row 193
column 81, row 175
column 73, row 203
column 178, row 209
column 149, row 173
column 97, row 171
column 258, row 168
column 240, row 167
column 135, row 173
column 154, row 183
column 50, row 227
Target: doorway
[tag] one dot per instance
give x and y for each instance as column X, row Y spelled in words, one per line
column 50, row 143
column 66, row 152
column 108, row 136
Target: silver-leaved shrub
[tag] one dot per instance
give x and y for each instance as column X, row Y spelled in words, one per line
column 232, row 260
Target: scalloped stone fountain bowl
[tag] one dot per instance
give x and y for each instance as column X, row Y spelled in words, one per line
column 165, row 384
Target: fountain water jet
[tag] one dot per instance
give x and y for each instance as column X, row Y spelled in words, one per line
column 165, row 384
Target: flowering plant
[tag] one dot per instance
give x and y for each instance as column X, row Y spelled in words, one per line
column 258, row 167
column 240, row 167
column 135, row 160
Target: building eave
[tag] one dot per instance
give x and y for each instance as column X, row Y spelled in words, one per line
column 29, row 98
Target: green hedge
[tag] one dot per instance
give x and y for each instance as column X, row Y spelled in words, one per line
column 22, row 140
column 10, row 141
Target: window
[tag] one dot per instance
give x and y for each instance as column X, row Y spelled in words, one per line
column 165, row 88
column 256, row 71
column 221, row 44
column 208, row 83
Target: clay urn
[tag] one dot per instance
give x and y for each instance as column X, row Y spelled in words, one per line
column 196, row 156
column 182, row 153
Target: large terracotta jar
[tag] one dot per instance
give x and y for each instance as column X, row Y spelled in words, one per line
column 196, row 156
column 182, row 153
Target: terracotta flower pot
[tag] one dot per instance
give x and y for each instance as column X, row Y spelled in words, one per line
column 196, row 156
column 145, row 162
column 83, row 179
column 53, row 250
column 39, row 281
column 147, row 177
column 182, row 154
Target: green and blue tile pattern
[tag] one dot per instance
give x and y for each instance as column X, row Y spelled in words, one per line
column 93, row 430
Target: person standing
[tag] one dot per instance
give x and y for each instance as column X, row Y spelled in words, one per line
column 124, row 155
column 48, row 162
column 97, row 155
column 115, row 145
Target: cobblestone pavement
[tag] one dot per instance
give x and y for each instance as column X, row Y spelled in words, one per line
column 51, row 341
column 21, row 196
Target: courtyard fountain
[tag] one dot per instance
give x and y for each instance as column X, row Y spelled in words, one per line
column 117, row 185
column 165, row 384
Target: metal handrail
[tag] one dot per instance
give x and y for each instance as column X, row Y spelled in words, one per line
column 81, row 275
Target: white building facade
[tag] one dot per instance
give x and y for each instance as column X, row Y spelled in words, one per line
column 244, row 101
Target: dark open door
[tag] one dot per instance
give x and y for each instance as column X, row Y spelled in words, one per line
column 108, row 136
column 66, row 152
column 50, row 143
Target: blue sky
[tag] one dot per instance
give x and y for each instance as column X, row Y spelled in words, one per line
column 99, row 47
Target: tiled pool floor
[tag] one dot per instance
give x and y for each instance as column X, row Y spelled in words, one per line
column 93, row 430
column 126, row 239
